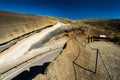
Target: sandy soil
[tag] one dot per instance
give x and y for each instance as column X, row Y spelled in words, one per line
column 64, row 69
column 111, row 57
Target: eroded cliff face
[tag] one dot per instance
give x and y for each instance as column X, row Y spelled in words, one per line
column 77, row 61
column 62, row 68
column 13, row 25
column 34, row 41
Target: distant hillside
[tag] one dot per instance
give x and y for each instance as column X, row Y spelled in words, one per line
column 13, row 25
column 108, row 24
column 110, row 27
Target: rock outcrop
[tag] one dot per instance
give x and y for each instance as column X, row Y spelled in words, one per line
column 13, row 25
column 79, row 60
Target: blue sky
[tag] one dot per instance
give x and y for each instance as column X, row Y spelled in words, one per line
column 73, row 9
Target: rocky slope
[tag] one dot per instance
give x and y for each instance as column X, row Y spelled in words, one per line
column 86, row 61
column 79, row 60
column 13, row 25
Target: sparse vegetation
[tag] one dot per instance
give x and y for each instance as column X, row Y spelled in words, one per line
column 116, row 38
column 112, row 24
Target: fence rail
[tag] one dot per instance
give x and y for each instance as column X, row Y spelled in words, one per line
column 98, row 54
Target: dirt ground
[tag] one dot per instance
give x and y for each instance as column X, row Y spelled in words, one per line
column 111, row 57
column 80, row 62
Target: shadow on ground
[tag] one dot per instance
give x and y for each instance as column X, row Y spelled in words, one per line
column 35, row 70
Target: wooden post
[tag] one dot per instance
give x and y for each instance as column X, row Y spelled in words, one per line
column 88, row 39
column 91, row 38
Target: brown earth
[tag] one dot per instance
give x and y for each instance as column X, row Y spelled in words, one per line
column 84, row 64
column 13, row 25
column 78, row 61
